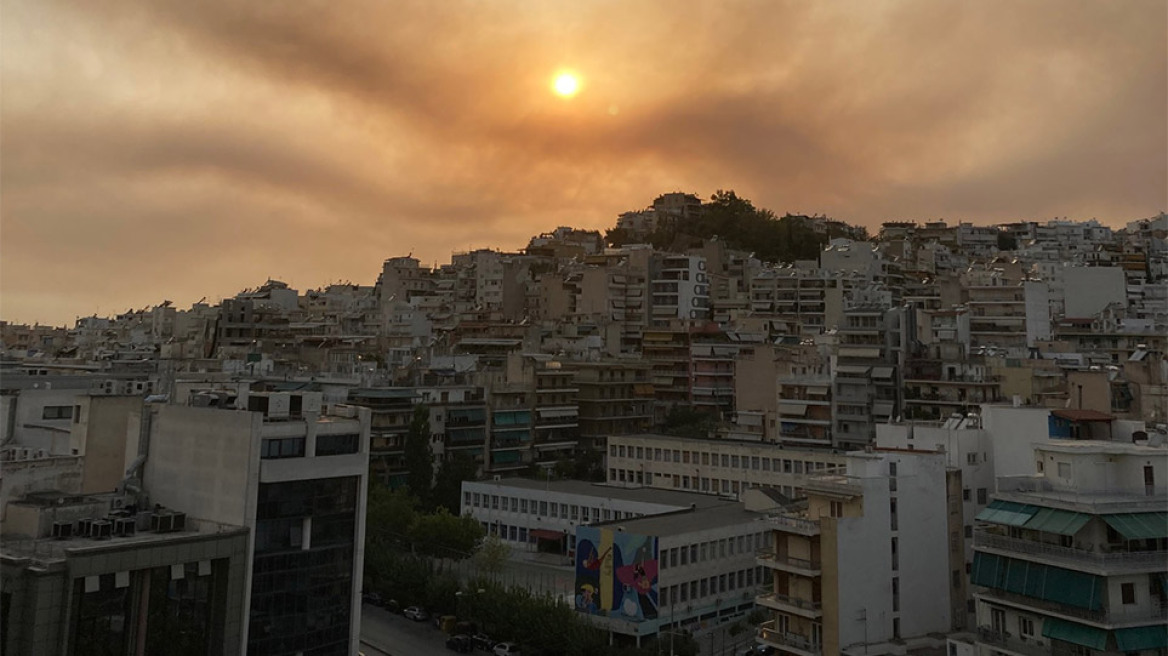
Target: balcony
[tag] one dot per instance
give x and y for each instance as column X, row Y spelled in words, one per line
column 1034, row 646
column 834, row 485
column 794, row 524
column 802, row 566
column 1100, row 562
column 791, row 605
column 1104, row 618
column 788, row 641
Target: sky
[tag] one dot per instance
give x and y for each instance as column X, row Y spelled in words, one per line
column 176, row 150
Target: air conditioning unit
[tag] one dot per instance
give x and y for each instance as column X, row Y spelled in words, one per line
column 145, row 521
column 101, row 529
column 62, row 530
column 162, row 522
column 40, row 454
column 124, row 526
column 178, row 521
column 83, row 526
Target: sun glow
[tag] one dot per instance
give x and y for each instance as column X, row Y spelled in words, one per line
column 566, row 85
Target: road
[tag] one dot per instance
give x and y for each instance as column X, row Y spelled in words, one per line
column 386, row 634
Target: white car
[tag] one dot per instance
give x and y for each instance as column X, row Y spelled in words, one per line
column 416, row 613
column 506, row 649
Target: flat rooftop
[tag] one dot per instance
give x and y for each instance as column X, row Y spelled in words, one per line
column 680, row 500
column 727, row 514
column 52, row 549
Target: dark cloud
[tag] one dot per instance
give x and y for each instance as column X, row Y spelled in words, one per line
column 176, row 149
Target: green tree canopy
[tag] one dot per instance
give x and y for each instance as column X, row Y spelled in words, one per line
column 447, row 491
column 444, row 535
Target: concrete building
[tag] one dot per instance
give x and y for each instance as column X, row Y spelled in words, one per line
column 719, row 467
column 615, row 398
column 1071, row 558
column 867, row 374
column 700, row 549
column 87, row 575
column 869, row 565
column 295, row 474
column 679, row 288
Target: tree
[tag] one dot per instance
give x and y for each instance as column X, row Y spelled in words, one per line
column 444, row 535
column 419, row 458
column 684, row 421
column 492, row 555
column 447, row 492
column 1007, row 241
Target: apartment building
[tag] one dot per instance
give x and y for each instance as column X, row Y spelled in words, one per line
column 296, row 475
column 615, row 398
column 867, row 374
column 872, row 563
column 679, row 288
column 717, row 467
column 1070, row 559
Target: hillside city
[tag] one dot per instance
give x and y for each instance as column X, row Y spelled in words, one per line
column 707, row 429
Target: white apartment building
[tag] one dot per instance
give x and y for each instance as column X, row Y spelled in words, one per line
column 679, row 288
column 1071, row 559
column 718, row 467
column 870, row 564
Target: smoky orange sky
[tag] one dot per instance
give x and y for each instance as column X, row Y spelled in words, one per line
column 178, row 150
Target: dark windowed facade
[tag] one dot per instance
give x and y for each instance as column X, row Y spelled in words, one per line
column 303, row 569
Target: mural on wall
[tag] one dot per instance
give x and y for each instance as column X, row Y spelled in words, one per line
column 616, row 573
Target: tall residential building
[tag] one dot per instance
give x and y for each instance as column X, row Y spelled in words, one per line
column 866, row 388
column 615, row 398
column 679, row 288
column 1072, row 559
column 869, row 564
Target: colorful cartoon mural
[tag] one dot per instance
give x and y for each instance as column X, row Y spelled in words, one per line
column 616, row 573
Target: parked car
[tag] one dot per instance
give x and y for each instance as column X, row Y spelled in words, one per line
column 759, row 650
column 482, row 641
column 393, row 606
column 371, row 598
column 506, row 649
column 416, row 613
column 460, row 643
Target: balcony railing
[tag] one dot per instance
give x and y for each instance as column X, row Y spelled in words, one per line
column 768, row 558
column 1032, row 647
column 767, row 634
column 787, row 602
column 1138, row 613
column 1111, row 562
column 793, row 524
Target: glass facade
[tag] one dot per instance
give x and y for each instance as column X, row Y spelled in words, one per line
column 303, row 570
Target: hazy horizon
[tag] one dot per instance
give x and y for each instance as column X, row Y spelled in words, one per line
column 170, row 150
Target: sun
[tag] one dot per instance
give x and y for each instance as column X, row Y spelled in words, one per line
column 566, row 85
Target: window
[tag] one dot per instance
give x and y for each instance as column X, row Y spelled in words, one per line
column 981, row 496
column 895, row 555
column 57, row 412
column 288, row 447
column 494, row 502
column 543, row 509
column 965, row 494
column 1025, row 627
column 1127, row 592
column 892, row 469
column 335, row 445
column 969, row 530
column 523, row 506
column 895, row 594
column 836, row 509
column 971, row 458
column 514, row 504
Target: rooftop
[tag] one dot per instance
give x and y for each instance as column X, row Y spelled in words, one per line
column 680, row 500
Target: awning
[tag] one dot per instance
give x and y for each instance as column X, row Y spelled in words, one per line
column 545, row 534
column 1142, row 638
column 882, row 408
column 1030, row 579
column 1062, row 522
column 882, row 372
column 1007, row 512
column 1139, row 526
column 854, row 369
column 793, row 409
column 549, row 413
column 1079, row 634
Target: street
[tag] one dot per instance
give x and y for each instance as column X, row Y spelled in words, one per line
column 386, row 634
